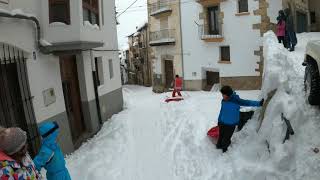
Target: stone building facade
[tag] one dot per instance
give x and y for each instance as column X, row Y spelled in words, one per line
column 165, row 41
column 139, row 64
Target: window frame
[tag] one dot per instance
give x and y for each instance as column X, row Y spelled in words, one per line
column 239, row 6
column 92, row 8
column 213, row 29
column 63, row 2
column 222, row 59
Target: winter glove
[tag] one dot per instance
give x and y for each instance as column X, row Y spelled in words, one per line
column 262, row 102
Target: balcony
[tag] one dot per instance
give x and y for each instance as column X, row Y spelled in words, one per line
column 162, row 37
column 207, row 3
column 206, row 36
column 160, row 8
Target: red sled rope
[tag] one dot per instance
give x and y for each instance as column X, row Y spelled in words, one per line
column 176, row 99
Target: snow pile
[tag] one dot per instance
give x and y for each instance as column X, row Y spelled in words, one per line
column 43, row 42
column 88, row 24
column 154, row 140
column 58, row 24
column 285, row 74
column 17, row 12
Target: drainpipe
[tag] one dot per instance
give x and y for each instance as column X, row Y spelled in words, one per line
column 182, row 64
column 33, row 19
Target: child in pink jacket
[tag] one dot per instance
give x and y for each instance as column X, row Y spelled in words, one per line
column 281, row 28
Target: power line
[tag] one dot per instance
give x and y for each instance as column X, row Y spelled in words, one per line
column 139, row 8
column 127, row 8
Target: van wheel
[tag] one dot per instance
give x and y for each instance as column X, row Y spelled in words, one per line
column 312, row 84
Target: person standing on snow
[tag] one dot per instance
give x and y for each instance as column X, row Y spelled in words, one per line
column 281, row 28
column 230, row 115
column 177, row 86
column 50, row 155
column 15, row 163
column 290, row 33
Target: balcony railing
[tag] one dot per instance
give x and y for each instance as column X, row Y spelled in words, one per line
column 160, row 7
column 162, row 37
column 207, row 36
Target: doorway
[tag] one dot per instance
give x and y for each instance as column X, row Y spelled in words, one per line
column 71, row 91
column 212, row 79
column 302, row 22
column 168, row 68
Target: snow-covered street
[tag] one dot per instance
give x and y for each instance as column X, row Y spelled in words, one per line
column 153, row 140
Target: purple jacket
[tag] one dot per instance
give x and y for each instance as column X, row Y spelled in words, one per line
column 281, row 28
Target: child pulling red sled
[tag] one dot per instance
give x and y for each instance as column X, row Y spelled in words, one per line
column 176, row 89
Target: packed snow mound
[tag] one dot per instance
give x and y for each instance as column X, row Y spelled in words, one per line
column 284, row 73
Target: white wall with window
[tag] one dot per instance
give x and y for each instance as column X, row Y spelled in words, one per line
column 237, row 48
column 40, row 68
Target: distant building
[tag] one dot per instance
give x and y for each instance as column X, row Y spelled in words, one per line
column 210, row 42
column 139, row 63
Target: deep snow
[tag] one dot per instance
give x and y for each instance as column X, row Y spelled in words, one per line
column 153, row 140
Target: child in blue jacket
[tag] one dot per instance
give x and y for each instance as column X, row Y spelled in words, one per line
column 229, row 116
column 50, row 155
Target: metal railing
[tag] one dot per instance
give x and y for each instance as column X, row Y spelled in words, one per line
column 16, row 106
column 166, row 34
column 160, row 5
column 204, row 32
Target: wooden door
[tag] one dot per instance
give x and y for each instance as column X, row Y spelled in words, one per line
column 70, row 84
column 168, row 66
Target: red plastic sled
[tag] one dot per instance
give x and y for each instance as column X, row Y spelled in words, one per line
column 213, row 133
column 173, row 99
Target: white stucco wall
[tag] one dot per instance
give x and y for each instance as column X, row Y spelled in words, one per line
column 238, row 34
column 44, row 71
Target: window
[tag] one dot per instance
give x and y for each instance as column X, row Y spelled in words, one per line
column 91, row 11
column 313, row 17
column 111, row 68
column 99, row 70
column 243, row 6
column 213, row 17
column 59, row 11
column 225, row 53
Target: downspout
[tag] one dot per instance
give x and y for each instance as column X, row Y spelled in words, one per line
column 33, row 19
column 182, row 64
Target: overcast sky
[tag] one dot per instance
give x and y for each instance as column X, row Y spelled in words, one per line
column 133, row 17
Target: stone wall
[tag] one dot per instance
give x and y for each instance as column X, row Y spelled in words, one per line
column 242, row 83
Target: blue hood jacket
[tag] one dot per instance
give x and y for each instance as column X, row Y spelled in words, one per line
column 230, row 109
column 50, row 155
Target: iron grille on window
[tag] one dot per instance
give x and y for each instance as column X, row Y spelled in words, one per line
column 16, row 107
column 59, row 11
column 243, row 6
column 91, row 11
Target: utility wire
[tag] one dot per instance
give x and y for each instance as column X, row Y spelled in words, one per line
column 139, row 8
column 127, row 8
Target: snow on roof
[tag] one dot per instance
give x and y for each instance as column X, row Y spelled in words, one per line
column 17, row 12
column 136, row 34
column 43, row 42
column 142, row 25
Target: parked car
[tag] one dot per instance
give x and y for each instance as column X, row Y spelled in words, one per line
column 312, row 75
